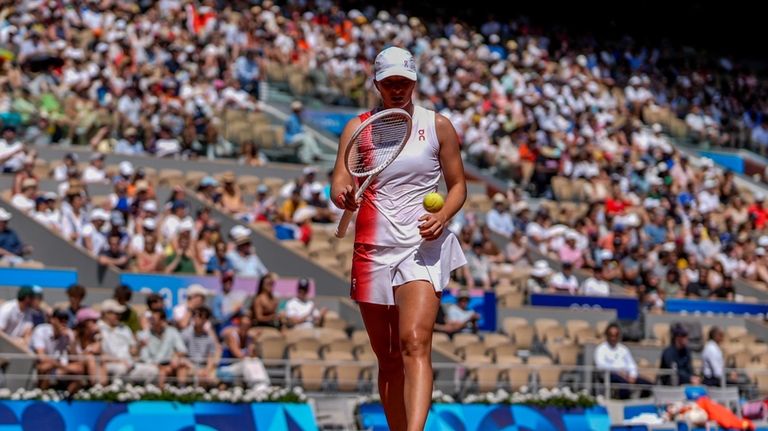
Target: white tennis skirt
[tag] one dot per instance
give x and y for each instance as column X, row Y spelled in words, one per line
column 377, row 270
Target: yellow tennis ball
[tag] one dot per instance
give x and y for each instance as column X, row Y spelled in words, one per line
column 433, row 202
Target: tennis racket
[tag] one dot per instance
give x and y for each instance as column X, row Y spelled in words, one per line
column 374, row 145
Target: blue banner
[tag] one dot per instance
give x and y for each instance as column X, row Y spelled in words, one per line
column 482, row 302
column 490, row 417
column 715, row 307
column 154, row 416
column 329, row 121
column 62, row 278
column 729, row 161
column 627, row 308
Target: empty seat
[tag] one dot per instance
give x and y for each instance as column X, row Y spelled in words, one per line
column 360, row 336
column 312, row 376
column 348, row 374
column 462, row 339
column 471, row 350
column 272, row 348
column 504, row 353
column 523, row 337
column 510, row 324
column 548, row 377
column 552, row 333
column 339, row 346
column 305, row 345
column 336, row 323
column 517, row 377
column 493, row 340
column 486, row 378
column 539, row 360
column 567, row 354
column 575, row 325
column 541, row 324
column 661, row 332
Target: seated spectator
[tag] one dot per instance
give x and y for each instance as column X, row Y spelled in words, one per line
column 263, row 207
column 16, row 315
column 169, row 228
column 239, row 352
column 291, row 205
column 11, row 248
column 443, row 325
column 130, row 317
column 229, row 302
column 251, row 154
column 596, row 285
column 318, row 202
column 27, row 172
column 119, row 347
column 725, row 290
column 181, row 260
column 88, row 345
column 516, row 250
column 713, row 361
column 73, row 215
column 219, row 263
column 244, row 261
column 114, row 254
column 477, row 271
column 613, row 356
column 24, row 201
column 148, row 227
column 203, row 351
column 678, row 357
column 700, row 287
column 163, row 346
column 565, row 281
column 94, row 172
column 46, row 212
column 75, row 295
column 150, row 259
column 301, row 312
column 264, row 305
column 231, row 197
column 93, row 234
column 460, row 314
column 154, row 302
column 499, row 220
column 196, row 297
column 303, row 218
column 307, row 148
column 537, row 282
column 53, row 344
column 570, row 252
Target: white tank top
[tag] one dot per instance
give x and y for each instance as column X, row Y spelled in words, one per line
column 392, row 204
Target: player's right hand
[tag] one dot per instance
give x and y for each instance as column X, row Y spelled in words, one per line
column 346, row 199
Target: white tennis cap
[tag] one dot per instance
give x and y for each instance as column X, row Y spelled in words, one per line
column 395, row 61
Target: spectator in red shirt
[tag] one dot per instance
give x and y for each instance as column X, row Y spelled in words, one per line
column 758, row 211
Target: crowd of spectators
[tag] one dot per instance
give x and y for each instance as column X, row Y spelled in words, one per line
column 206, row 340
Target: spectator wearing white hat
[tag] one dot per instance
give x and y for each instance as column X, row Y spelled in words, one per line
column 196, row 295
column 171, row 223
column 319, row 204
column 537, row 282
column 119, row 347
column 94, row 172
column 25, row 200
column 498, row 219
column 244, row 261
column 94, row 237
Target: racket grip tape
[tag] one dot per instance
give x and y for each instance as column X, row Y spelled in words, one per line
column 341, row 229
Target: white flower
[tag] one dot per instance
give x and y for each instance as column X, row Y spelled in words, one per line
column 524, row 389
column 5, row 393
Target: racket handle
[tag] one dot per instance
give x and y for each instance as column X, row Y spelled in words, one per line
column 341, row 229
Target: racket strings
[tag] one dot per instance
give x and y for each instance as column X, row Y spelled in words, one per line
column 377, row 144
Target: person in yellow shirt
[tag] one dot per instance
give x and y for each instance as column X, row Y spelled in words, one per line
column 291, row 205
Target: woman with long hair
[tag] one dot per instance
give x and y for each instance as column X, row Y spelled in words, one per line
column 403, row 255
column 264, row 307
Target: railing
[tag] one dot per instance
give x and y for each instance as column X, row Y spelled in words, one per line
column 457, row 379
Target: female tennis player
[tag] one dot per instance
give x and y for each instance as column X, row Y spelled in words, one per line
column 403, row 255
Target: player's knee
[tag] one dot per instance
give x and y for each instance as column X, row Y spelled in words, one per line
column 415, row 344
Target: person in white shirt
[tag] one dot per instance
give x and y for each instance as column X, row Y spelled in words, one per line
column 119, row 347
column 301, row 312
column 459, row 313
column 73, row 216
column 53, row 343
column 713, row 362
column 46, row 212
column 149, row 226
column 565, row 281
column 499, row 220
column 170, row 225
column 182, row 313
column 60, row 172
column 596, row 285
column 94, row 239
column 615, row 358
column 16, row 315
column 94, row 172
column 25, row 201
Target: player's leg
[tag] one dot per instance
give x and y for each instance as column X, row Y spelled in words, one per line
column 381, row 323
column 418, row 303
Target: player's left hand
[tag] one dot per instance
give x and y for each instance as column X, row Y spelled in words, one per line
column 432, row 226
